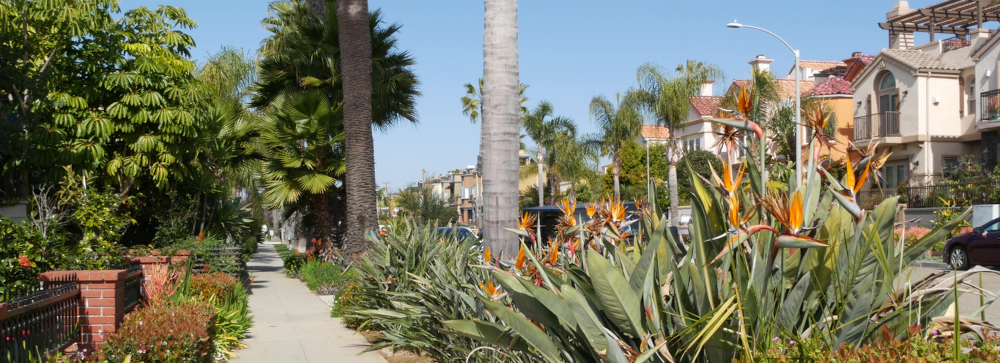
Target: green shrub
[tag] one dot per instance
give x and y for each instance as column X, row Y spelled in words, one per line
column 232, row 321
column 318, row 274
column 179, row 332
column 293, row 260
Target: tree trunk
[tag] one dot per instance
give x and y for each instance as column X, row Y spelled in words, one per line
column 541, row 186
column 672, row 183
column 616, row 170
column 501, row 125
column 356, row 63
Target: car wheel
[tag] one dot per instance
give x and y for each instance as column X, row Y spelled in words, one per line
column 958, row 258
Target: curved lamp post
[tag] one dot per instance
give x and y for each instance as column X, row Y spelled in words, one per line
column 798, row 105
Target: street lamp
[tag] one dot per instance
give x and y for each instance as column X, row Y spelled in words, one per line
column 798, row 104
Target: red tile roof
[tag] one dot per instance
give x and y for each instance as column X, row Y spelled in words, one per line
column 816, row 66
column 786, row 86
column 832, row 86
column 706, row 105
column 655, row 132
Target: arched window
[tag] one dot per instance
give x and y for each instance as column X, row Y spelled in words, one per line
column 888, row 106
column 887, row 82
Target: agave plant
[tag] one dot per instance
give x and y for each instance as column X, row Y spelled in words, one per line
column 759, row 265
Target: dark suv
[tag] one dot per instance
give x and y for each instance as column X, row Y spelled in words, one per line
column 979, row 247
column 458, row 234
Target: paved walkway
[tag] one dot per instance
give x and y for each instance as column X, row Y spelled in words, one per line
column 291, row 324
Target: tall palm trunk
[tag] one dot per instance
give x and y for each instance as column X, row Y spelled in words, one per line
column 672, row 181
column 501, row 125
column 616, row 171
column 541, row 186
column 356, row 60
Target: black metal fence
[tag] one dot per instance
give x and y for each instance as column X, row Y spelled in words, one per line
column 942, row 194
column 133, row 286
column 224, row 259
column 41, row 322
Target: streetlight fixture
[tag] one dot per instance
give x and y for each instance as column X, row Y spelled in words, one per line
column 798, row 103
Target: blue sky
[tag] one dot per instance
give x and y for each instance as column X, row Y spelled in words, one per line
column 570, row 51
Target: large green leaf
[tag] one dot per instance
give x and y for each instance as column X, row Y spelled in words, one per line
column 525, row 301
column 486, row 332
column 615, row 295
column 789, row 313
column 526, row 330
column 588, row 322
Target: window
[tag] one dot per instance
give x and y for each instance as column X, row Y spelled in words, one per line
column 971, row 110
column 950, row 165
column 692, row 144
column 895, row 174
column 991, row 228
column 888, row 82
column 888, row 94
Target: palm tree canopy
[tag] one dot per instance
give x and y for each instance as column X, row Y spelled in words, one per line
column 665, row 96
column 304, row 54
column 617, row 122
column 473, row 99
column 304, row 137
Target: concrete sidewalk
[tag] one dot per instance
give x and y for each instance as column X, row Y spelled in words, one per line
column 291, row 324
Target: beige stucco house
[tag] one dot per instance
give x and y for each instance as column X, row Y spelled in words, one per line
column 923, row 103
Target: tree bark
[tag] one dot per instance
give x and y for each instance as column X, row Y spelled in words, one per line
column 616, row 170
column 501, row 125
column 541, row 186
column 672, row 183
column 356, row 64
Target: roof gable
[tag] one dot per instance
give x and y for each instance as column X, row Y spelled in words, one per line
column 914, row 61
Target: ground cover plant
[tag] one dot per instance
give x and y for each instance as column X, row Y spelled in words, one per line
column 176, row 332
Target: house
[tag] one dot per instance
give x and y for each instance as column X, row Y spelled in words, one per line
column 697, row 132
column 460, row 189
column 836, row 97
column 931, row 104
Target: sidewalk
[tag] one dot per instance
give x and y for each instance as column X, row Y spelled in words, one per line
column 291, row 324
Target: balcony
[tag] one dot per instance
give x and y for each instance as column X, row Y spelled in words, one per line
column 876, row 125
column 991, row 102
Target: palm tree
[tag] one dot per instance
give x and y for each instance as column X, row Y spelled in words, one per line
column 576, row 160
column 472, row 106
column 304, row 53
column 619, row 123
column 356, row 67
column 545, row 134
column 500, row 106
column 229, row 156
column 303, row 138
column 666, row 99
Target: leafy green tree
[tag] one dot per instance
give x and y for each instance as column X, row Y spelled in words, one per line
column 576, row 162
column 619, row 123
column 633, row 174
column 702, row 162
column 97, row 93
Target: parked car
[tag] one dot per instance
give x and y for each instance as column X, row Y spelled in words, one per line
column 458, row 234
column 979, row 247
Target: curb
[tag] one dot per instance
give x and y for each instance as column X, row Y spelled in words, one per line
column 931, row 264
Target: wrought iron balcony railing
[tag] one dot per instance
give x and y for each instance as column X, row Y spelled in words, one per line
column 876, row 125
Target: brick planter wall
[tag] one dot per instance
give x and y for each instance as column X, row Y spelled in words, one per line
column 102, row 303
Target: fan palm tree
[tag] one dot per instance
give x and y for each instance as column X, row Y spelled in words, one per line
column 304, row 140
column 545, row 131
column 304, row 53
column 667, row 99
column 500, row 105
column 619, row 123
column 229, row 153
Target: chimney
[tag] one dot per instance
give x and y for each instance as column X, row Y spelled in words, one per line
column 762, row 63
column 706, row 88
column 900, row 40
